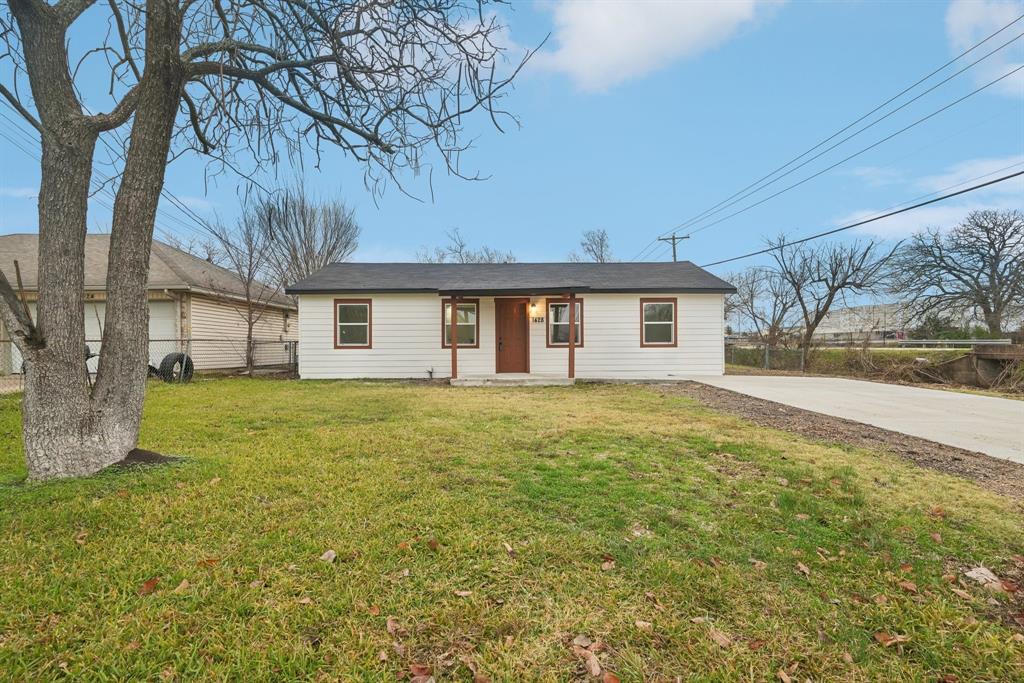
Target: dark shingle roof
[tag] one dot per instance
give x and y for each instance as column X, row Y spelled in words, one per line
column 497, row 278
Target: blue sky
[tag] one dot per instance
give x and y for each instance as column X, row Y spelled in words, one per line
column 638, row 116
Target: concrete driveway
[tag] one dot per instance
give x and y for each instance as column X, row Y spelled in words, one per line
column 994, row 426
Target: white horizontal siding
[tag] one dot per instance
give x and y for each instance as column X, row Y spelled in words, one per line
column 219, row 334
column 407, row 340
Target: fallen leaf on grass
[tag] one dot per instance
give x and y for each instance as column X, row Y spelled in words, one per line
column 508, row 549
column 937, row 512
column 148, row 586
column 258, row 583
column 80, row 537
column 720, row 638
column 395, row 628
column 962, row 593
column 609, row 677
column 758, row 564
column 908, row 586
column 183, row 586
column 783, row 676
column 754, row 645
column 936, row 536
column 329, row 556
column 373, row 610
column 1019, row 637
column 802, row 516
column 420, row 669
column 906, row 567
column 404, row 545
column 608, row 564
column 644, row 625
column 887, row 639
column 803, row 569
column 590, row 660
column 208, row 562
column 698, row 620
column 305, row 601
column 982, row 575
column 215, row 481
column 463, row 594
column 848, row 658
column 433, row 544
column 654, row 600
column 480, row 678
column 582, row 641
column 880, row 599
column 398, row 648
column 382, row 656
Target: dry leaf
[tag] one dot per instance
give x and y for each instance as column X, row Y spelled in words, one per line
column 887, row 639
column 982, row 575
column 508, row 549
column 148, row 586
column 783, row 676
column 908, row 586
column 258, row 583
column 848, row 658
column 802, row 516
column 404, row 545
column 803, row 569
column 906, row 567
column 208, row 562
column 382, row 655
column 480, row 678
column 698, row 620
column 720, row 638
column 609, row 677
column 937, row 537
column 80, row 537
column 215, row 481
column 582, row 641
column 758, row 564
column 937, row 512
column 420, row 669
column 590, row 660
column 1019, row 637
column 880, row 599
column 329, row 556
column 644, row 625
column 654, row 600
column 183, row 586
column 463, row 594
column 395, row 628
column 398, row 648
column 962, row 593
column 433, row 544
column 306, row 601
column 608, row 564
column 755, row 645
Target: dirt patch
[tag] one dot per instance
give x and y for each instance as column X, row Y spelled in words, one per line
column 1000, row 476
column 140, row 456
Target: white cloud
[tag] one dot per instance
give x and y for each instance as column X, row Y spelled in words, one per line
column 944, row 215
column 969, row 21
column 603, row 44
column 19, row 192
column 877, row 176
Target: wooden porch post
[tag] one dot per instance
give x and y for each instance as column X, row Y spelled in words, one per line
column 455, row 337
column 572, row 335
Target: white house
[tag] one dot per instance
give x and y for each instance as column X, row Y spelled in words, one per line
column 631, row 321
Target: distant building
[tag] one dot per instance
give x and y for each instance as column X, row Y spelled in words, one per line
column 872, row 322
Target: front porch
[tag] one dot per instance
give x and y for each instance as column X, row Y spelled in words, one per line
column 512, row 379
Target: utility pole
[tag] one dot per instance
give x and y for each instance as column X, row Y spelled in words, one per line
column 673, row 239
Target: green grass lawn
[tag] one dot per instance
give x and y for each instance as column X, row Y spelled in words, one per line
column 493, row 526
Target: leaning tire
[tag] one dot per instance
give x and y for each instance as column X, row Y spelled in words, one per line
column 176, row 367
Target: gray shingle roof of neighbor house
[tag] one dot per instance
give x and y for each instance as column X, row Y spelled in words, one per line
column 169, row 267
column 491, row 278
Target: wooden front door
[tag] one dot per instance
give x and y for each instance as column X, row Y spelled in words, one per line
column 513, row 335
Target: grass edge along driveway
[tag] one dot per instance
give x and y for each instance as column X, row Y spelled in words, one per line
column 480, row 531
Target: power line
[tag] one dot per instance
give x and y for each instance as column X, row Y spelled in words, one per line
column 839, row 132
column 674, row 239
column 863, row 150
column 867, row 220
column 847, row 138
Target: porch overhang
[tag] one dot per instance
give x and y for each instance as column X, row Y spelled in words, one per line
column 530, row 291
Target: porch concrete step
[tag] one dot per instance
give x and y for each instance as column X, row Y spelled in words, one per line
column 513, row 381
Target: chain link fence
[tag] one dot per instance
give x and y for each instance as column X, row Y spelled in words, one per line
column 766, row 357
column 208, row 355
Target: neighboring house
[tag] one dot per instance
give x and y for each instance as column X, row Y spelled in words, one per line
column 194, row 305
column 869, row 322
column 633, row 320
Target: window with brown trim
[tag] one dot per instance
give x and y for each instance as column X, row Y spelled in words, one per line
column 558, row 322
column 467, row 323
column 658, row 322
column 353, row 323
